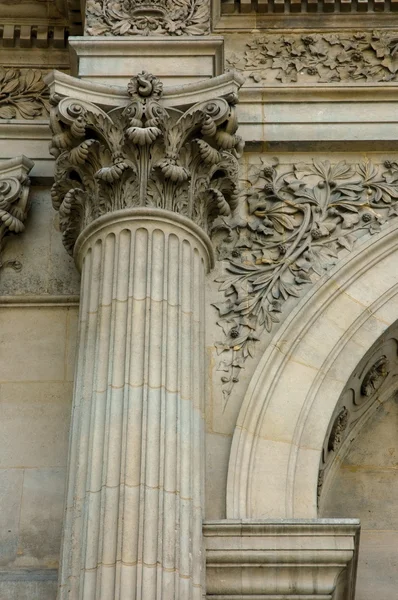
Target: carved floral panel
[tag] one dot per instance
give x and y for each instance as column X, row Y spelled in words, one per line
column 147, row 17
column 23, row 94
column 293, row 224
column 367, row 56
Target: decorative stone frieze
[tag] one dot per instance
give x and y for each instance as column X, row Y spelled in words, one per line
column 23, row 94
column 14, row 198
column 292, row 226
column 365, row 56
column 144, row 155
column 147, row 17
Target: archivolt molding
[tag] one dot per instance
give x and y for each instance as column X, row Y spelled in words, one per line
column 14, row 199
column 373, row 381
column 293, row 397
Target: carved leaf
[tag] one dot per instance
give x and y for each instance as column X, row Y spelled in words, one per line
column 370, row 56
column 23, row 94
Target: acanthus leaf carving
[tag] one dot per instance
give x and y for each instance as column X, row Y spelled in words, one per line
column 292, row 225
column 23, row 94
column 144, row 155
column 147, row 17
column 14, row 200
column 320, row 57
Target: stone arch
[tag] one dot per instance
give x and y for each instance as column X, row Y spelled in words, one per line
column 292, row 397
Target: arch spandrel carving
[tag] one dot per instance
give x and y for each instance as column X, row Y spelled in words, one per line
column 292, row 397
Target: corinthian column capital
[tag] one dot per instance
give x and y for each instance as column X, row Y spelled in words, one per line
column 14, row 192
column 144, row 154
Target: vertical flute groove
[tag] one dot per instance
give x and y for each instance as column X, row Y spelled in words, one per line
column 135, row 487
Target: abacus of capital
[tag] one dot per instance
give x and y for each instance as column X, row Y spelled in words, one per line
column 137, row 189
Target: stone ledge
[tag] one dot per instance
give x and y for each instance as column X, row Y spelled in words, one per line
column 281, row 559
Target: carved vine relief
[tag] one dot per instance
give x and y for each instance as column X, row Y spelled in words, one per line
column 292, row 224
column 23, row 94
column 143, row 154
column 147, row 17
column 321, row 57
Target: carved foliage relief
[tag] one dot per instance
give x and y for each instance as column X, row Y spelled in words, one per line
column 292, row 224
column 320, row 57
column 147, row 17
column 23, row 94
column 144, row 155
column 14, row 200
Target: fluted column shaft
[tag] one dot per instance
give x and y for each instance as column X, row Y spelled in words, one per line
column 133, row 525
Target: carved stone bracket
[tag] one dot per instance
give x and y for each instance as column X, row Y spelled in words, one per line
column 144, row 154
column 14, row 201
column 147, row 17
column 292, row 225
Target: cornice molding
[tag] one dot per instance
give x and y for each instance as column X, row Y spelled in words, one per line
column 14, row 192
column 244, row 558
column 18, row 34
column 293, row 7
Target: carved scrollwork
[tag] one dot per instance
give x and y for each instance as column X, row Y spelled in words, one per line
column 375, row 377
column 144, row 155
column 338, row 429
column 320, row 57
column 14, row 199
column 291, row 227
column 147, row 17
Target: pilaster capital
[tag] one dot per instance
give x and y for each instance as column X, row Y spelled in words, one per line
column 144, row 153
column 14, row 196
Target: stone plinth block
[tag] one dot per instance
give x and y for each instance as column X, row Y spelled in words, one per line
column 281, row 559
column 177, row 60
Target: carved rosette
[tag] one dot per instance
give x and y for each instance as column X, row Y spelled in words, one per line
column 144, row 155
column 14, row 197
